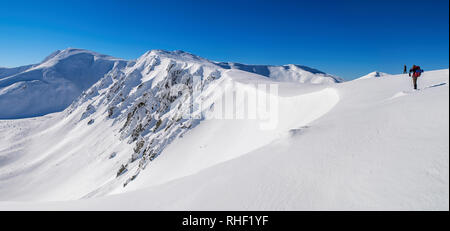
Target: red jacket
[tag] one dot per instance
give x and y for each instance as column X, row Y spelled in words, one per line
column 416, row 71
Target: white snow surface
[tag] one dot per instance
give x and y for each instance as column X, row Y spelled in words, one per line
column 359, row 145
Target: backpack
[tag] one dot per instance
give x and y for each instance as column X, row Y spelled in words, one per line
column 417, row 71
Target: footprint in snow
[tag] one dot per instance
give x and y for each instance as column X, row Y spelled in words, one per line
column 436, row 85
column 403, row 93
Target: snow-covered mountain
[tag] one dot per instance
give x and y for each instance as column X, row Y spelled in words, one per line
column 375, row 74
column 51, row 85
column 131, row 100
column 59, row 79
column 126, row 142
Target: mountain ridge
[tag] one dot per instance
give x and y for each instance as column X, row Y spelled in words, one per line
column 64, row 74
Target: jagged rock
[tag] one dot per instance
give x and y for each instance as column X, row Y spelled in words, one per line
column 122, row 170
column 110, row 112
column 112, row 155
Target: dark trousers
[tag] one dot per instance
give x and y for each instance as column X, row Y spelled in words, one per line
column 415, row 82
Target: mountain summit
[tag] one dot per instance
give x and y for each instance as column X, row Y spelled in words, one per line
column 53, row 84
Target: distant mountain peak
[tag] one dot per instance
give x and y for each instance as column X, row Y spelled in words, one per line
column 58, row 80
column 374, row 74
column 53, row 54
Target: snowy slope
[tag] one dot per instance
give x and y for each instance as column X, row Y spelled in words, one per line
column 5, row 72
column 53, row 84
column 375, row 149
column 372, row 144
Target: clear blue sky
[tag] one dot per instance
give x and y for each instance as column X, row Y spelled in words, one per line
column 348, row 38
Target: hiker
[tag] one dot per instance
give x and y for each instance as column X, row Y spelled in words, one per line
column 404, row 69
column 416, row 71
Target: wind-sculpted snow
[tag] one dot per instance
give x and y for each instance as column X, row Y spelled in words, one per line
column 216, row 141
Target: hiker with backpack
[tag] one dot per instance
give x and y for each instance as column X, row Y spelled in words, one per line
column 416, row 72
column 404, row 69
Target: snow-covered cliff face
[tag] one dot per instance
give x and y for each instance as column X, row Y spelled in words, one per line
column 143, row 101
column 53, row 84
